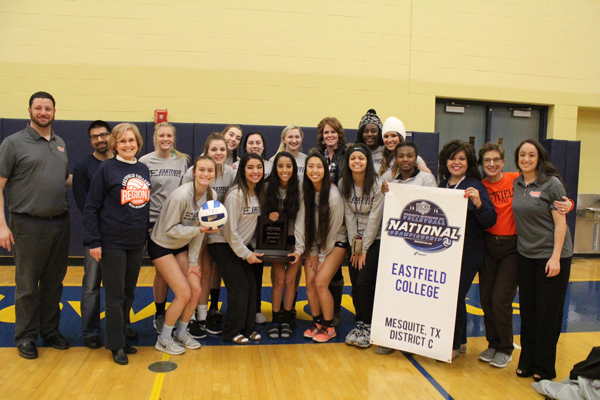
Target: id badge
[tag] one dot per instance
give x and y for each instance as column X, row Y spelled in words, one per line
column 357, row 245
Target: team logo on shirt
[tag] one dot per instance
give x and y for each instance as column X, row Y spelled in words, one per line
column 535, row 194
column 424, row 226
column 136, row 191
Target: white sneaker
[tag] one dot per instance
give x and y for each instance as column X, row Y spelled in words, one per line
column 500, row 360
column 260, row 318
column 169, row 346
column 186, row 340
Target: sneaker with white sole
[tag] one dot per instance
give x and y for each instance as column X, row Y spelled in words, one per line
column 159, row 322
column 500, row 360
column 197, row 329
column 186, row 340
column 312, row 331
column 364, row 338
column 487, row 355
column 354, row 333
column 169, row 346
column 325, row 334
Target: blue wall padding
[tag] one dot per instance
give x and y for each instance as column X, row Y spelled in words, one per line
column 565, row 156
column 190, row 140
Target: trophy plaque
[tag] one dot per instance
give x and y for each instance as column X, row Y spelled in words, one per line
column 272, row 238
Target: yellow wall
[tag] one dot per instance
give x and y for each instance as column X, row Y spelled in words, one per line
column 588, row 132
column 283, row 62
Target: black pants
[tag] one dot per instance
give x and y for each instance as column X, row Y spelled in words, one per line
column 363, row 284
column 240, row 282
column 498, row 282
column 120, row 271
column 258, row 276
column 542, row 301
column 468, row 270
column 41, row 253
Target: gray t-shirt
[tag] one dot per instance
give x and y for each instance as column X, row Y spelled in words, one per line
column 36, row 170
column 165, row 176
column 532, row 206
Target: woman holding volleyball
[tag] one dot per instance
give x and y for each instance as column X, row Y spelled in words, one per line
column 174, row 248
column 232, row 250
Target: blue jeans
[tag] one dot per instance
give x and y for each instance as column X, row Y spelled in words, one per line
column 90, row 295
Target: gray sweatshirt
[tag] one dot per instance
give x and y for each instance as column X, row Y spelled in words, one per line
column 221, row 184
column 266, row 173
column 177, row 224
column 336, row 232
column 240, row 229
column 300, row 162
column 418, row 178
column 363, row 214
column 165, row 176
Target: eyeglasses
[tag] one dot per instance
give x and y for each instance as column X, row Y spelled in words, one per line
column 496, row 160
column 102, row 135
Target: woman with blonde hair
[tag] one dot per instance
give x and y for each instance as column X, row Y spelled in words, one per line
column 167, row 166
column 291, row 141
column 115, row 228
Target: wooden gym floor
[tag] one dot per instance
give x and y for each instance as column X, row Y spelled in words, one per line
column 273, row 369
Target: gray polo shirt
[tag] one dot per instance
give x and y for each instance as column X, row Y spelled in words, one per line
column 532, row 207
column 37, row 170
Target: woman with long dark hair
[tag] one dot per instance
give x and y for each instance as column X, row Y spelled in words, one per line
column 458, row 169
column 322, row 215
column 544, row 260
column 232, row 250
column 283, row 196
column 361, row 189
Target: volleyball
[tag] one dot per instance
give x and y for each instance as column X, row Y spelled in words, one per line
column 212, row 215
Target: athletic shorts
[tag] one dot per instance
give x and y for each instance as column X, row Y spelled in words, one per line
column 156, row 251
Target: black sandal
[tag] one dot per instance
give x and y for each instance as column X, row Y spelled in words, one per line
column 286, row 331
column 274, row 331
column 523, row 373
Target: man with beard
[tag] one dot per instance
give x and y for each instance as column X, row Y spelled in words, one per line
column 83, row 173
column 34, row 171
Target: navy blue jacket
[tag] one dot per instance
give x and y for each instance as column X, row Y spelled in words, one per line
column 83, row 173
column 118, row 206
column 478, row 220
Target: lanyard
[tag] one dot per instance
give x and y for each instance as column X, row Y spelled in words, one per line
column 358, row 212
column 455, row 186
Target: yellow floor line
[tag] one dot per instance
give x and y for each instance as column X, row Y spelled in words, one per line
column 158, row 381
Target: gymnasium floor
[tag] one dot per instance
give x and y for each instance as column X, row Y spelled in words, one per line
column 278, row 369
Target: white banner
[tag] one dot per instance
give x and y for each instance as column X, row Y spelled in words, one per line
column 419, row 270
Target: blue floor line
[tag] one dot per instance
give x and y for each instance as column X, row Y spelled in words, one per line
column 427, row 376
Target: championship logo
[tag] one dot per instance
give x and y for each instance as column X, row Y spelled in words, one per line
column 136, row 192
column 424, row 226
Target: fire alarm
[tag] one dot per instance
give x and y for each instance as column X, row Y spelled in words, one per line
column 160, row 116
